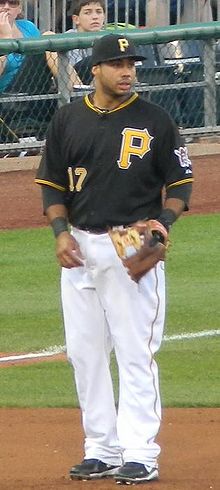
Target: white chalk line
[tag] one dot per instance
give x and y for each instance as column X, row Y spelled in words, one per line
column 59, row 349
column 52, row 351
column 194, row 335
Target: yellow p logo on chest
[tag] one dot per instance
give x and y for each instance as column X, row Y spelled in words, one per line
column 134, row 142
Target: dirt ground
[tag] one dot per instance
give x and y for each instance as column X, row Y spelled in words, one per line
column 38, row 446
column 20, row 204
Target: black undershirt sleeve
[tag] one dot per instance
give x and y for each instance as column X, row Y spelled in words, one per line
column 182, row 192
column 51, row 196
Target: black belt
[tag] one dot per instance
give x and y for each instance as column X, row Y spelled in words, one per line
column 96, row 230
column 99, row 230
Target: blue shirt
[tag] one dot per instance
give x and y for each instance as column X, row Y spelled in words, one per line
column 15, row 60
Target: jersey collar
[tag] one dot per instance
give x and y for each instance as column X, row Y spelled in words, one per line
column 121, row 106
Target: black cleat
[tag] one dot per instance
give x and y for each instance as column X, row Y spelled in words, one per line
column 132, row 473
column 91, row 469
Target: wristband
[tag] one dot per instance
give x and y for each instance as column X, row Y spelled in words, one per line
column 159, row 232
column 167, row 218
column 59, row 225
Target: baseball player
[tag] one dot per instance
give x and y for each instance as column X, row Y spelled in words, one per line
column 114, row 163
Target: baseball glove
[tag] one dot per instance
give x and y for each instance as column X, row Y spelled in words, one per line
column 140, row 246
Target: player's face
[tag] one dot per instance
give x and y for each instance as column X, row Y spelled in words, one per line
column 115, row 78
column 91, row 18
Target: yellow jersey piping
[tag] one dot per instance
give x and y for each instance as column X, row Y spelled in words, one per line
column 51, row 184
column 124, row 104
column 180, row 182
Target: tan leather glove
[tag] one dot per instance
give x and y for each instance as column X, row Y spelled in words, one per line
column 140, row 246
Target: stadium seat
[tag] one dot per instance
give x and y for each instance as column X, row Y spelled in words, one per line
column 185, row 59
column 153, row 76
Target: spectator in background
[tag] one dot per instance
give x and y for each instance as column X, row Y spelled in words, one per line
column 13, row 26
column 20, row 74
column 87, row 16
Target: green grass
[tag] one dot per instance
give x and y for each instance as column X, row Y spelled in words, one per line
column 190, row 372
column 38, row 385
column 30, row 313
column 189, row 376
column 193, row 271
column 30, row 317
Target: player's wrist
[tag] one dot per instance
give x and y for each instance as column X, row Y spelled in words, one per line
column 167, row 218
column 59, row 225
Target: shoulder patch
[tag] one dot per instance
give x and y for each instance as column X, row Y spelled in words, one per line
column 183, row 158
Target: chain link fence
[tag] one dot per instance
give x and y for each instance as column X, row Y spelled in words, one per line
column 181, row 73
column 184, row 81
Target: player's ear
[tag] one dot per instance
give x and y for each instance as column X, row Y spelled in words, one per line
column 95, row 70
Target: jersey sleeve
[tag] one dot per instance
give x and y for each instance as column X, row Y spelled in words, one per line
column 174, row 164
column 52, row 171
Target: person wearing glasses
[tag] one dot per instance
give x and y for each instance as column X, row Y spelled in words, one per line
column 13, row 26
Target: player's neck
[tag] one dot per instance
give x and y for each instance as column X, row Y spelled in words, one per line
column 105, row 103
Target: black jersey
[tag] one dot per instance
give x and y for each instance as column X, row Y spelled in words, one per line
column 113, row 165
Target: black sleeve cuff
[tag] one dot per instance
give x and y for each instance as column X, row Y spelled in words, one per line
column 52, row 196
column 182, row 192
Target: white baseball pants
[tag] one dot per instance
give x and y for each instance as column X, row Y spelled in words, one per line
column 104, row 310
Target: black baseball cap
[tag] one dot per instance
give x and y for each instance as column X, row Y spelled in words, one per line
column 113, row 47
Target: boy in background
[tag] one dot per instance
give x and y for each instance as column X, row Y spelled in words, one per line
column 87, row 16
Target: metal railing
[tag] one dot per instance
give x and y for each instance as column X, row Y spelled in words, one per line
column 56, row 14
column 181, row 73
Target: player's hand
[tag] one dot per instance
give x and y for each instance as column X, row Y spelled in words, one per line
column 5, row 26
column 151, row 251
column 145, row 259
column 68, row 251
